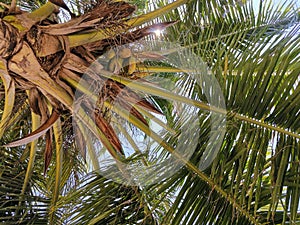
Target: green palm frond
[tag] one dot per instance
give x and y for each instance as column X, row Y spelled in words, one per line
column 252, row 179
column 102, row 201
column 29, row 207
column 257, row 67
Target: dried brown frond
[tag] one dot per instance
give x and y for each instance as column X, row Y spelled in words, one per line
column 42, row 61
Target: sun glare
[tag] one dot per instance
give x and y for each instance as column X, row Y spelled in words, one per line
column 158, row 32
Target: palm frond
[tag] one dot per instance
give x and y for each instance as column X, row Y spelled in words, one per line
column 251, row 179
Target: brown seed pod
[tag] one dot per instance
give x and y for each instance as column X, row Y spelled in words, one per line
column 131, row 65
column 124, row 53
column 110, row 54
column 115, row 64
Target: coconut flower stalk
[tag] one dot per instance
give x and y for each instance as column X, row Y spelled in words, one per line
column 39, row 56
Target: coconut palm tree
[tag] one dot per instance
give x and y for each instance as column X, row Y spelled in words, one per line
column 47, row 65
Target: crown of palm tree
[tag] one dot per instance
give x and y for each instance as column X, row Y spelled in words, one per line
column 45, row 65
